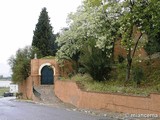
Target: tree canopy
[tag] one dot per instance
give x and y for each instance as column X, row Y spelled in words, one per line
column 20, row 63
column 137, row 14
column 43, row 38
column 90, row 35
column 97, row 25
column 92, row 32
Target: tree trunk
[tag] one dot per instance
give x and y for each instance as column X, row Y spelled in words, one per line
column 128, row 71
column 135, row 47
column 129, row 59
column 113, row 44
column 129, row 63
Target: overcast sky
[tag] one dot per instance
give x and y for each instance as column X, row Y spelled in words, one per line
column 18, row 19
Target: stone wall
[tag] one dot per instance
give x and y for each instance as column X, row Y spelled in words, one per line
column 69, row 92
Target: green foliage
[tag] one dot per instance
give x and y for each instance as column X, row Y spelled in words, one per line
column 90, row 37
column 43, row 37
column 93, row 3
column 87, row 24
column 138, row 75
column 20, row 63
column 141, row 14
column 82, row 77
column 92, row 32
column 152, row 26
column 118, row 74
column 95, row 27
column 120, row 58
column 81, row 70
column 96, row 63
column 152, row 70
column 151, row 84
column 153, row 45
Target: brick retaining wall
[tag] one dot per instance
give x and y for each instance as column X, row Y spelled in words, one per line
column 69, row 92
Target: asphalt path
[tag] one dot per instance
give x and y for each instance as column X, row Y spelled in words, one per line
column 11, row 109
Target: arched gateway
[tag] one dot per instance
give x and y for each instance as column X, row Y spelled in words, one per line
column 44, row 71
column 47, row 77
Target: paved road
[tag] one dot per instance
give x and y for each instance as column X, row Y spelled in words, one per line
column 10, row 109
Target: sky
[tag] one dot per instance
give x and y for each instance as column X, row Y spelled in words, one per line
column 17, row 23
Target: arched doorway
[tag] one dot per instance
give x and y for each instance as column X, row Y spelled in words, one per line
column 47, row 77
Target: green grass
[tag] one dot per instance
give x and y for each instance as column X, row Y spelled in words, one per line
column 3, row 89
column 115, row 86
column 149, row 84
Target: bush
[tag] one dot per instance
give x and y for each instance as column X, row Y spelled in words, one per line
column 96, row 63
column 138, row 75
column 81, row 70
column 153, row 44
column 120, row 59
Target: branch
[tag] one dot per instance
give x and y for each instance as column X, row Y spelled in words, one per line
column 135, row 47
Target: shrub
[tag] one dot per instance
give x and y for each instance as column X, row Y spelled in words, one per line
column 96, row 63
column 138, row 75
column 120, row 59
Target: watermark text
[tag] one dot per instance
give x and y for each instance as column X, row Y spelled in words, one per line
column 142, row 115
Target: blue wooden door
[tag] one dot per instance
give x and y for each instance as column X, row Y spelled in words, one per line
column 47, row 75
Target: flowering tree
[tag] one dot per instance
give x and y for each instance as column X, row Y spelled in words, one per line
column 137, row 14
column 89, row 30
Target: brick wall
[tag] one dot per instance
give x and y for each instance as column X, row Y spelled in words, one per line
column 26, row 88
column 141, row 53
column 36, row 64
column 119, row 50
column 69, row 92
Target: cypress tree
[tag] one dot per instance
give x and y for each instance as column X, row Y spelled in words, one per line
column 43, row 37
